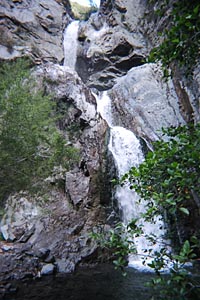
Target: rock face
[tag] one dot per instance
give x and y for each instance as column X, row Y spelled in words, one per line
column 110, row 44
column 34, row 28
column 144, row 103
column 187, row 89
column 55, row 228
column 19, row 221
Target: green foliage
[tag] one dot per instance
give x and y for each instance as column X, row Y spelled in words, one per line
column 30, row 144
column 181, row 40
column 167, row 180
column 170, row 175
column 81, row 12
column 177, row 283
column 118, row 242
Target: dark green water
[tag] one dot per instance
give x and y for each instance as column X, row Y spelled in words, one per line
column 102, row 283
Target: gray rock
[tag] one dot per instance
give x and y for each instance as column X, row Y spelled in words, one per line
column 77, row 187
column 7, row 234
column 48, row 269
column 65, row 266
column 26, row 236
column 20, row 216
column 32, row 27
column 147, row 101
column 42, row 253
column 108, row 50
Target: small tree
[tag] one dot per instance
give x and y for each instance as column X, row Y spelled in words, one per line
column 169, row 178
column 30, row 143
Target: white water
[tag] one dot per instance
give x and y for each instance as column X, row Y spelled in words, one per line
column 70, row 44
column 127, row 152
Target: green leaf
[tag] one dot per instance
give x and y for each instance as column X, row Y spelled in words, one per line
column 176, row 41
column 186, row 248
column 196, row 9
column 184, row 210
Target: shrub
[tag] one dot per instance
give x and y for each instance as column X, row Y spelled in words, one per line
column 181, row 40
column 30, row 143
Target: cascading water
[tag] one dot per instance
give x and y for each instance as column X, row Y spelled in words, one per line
column 127, row 152
column 70, row 44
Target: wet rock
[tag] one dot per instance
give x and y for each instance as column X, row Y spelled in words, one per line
column 17, row 265
column 7, row 288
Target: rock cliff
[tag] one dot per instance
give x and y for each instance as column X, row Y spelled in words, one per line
column 33, row 28
column 55, row 227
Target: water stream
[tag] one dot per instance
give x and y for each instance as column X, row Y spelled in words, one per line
column 127, row 152
column 70, row 44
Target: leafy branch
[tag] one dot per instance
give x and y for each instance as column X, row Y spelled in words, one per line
column 181, row 40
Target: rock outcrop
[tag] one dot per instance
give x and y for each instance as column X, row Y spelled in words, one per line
column 110, row 44
column 55, row 228
column 33, row 28
column 144, row 103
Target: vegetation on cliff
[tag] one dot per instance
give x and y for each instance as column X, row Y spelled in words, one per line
column 81, row 12
column 180, row 41
column 170, row 175
column 31, row 145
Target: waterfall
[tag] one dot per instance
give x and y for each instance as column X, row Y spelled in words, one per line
column 70, row 44
column 127, row 152
column 125, row 148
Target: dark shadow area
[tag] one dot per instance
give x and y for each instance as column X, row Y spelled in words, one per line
column 100, row 283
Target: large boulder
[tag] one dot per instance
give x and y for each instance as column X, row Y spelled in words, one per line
column 144, row 102
column 110, row 44
column 19, row 220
